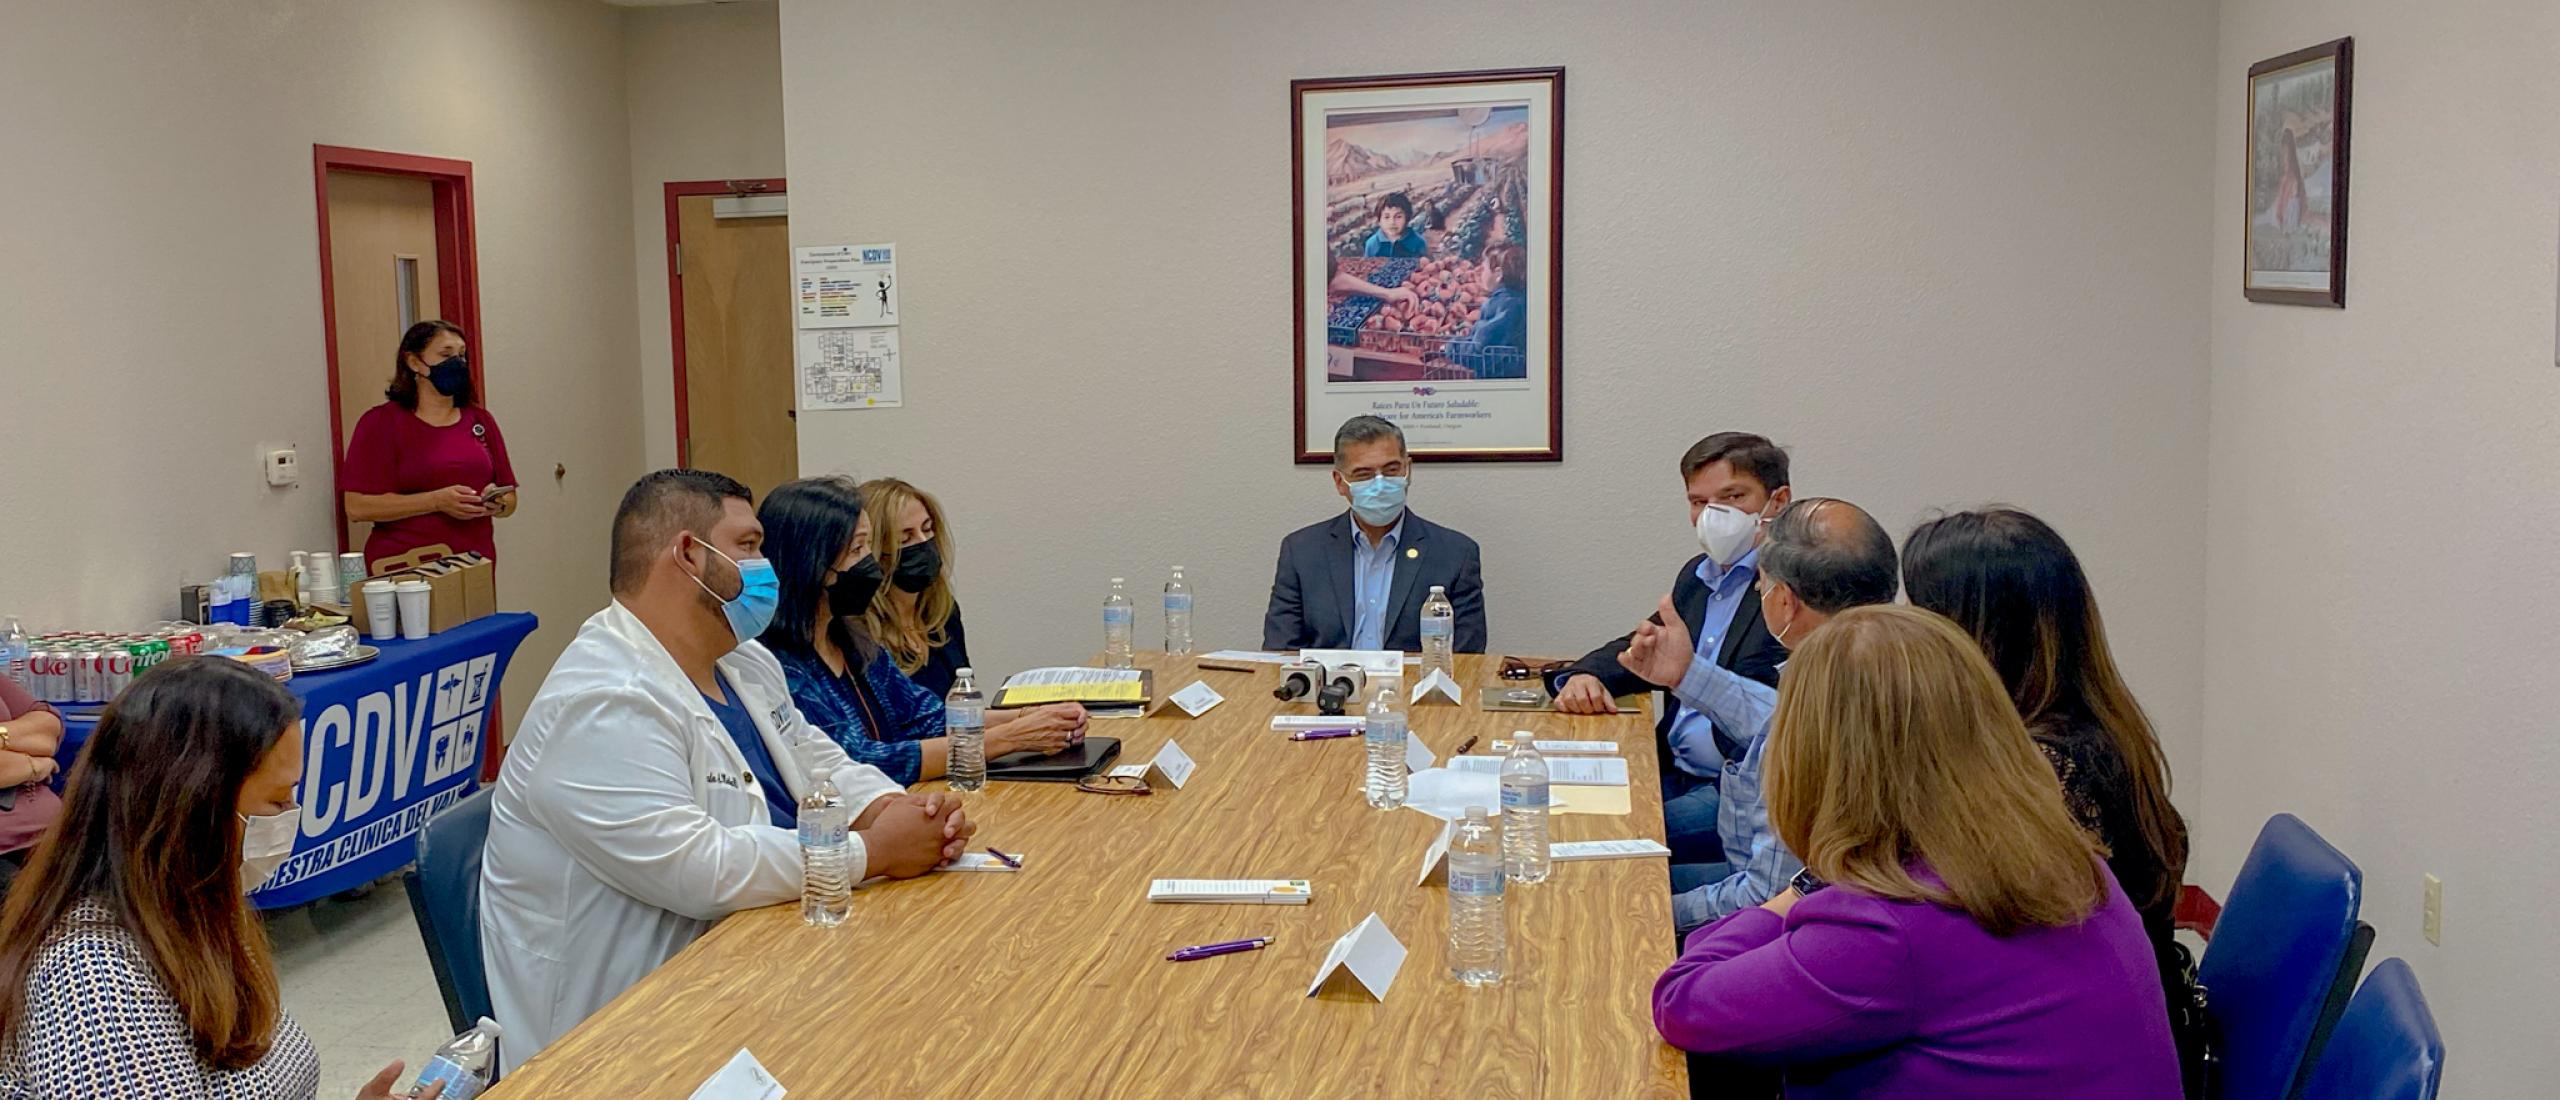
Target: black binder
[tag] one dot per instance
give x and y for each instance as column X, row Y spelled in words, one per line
column 1064, row 766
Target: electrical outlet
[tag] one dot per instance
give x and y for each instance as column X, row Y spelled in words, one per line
column 2433, row 922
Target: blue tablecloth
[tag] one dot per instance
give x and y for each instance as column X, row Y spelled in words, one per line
column 385, row 746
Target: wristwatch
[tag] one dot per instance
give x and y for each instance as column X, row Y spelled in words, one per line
column 4, row 736
column 1807, row 884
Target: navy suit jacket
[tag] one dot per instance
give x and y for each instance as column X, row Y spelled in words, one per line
column 1312, row 594
column 1748, row 649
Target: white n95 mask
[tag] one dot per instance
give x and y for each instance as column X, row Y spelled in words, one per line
column 265, row 843
column 1725, row 533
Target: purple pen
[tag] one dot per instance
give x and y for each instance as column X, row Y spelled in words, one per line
column 1213, row 950
column 1322, row 735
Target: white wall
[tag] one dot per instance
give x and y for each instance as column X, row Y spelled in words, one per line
column 705, row 87
column 160, row 303
column 1949, row 252
column 2385, row 502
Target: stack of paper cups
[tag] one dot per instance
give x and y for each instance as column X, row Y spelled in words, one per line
column 350, row 574
column 322, row 571
column 381, row 612
column 413, row 608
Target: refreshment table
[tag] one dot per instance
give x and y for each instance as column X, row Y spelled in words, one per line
column 1051, row 981
column 386, row 745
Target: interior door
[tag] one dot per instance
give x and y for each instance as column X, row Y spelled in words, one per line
column 736, row 275
column 382, row 271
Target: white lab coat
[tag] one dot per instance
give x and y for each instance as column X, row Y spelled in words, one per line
column 625, row 822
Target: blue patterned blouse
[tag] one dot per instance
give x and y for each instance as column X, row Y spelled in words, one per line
column 878, row 718
column 99, row 1023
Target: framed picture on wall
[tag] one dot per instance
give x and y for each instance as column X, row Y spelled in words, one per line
column 2297, row 182
column 1429, row 249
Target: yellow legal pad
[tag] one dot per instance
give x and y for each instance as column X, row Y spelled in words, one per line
column 1040, row 686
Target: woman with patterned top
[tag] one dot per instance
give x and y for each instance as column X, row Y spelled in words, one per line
column 819, row 541
column 130, row 961
column 2009, row 580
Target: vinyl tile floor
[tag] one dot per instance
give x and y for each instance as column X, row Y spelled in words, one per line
column 355, row 976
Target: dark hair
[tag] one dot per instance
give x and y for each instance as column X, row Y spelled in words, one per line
column 1365, row 429
column 1396, row 200
column 1843, row 561
column 150, row 826
column 1510, row 265
column 807, row 525
column 658, row 506
column 2009, row 580
column 403, row 390
column 1751, row 456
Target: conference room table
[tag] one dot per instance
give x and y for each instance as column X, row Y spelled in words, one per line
column 1052, row 981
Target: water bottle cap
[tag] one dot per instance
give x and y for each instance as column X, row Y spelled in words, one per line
column 964, row 672
column 1439, row 590
column 1177, row 569
column 488, row 1025
column 1119, row 580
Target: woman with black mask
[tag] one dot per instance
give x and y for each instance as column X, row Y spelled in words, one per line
column 819, row 541
column 428, row 465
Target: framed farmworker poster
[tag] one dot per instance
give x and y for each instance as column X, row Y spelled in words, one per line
column 1429, row 256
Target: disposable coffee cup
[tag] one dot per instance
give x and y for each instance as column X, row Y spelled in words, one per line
column 381, row 610
column 413, row 608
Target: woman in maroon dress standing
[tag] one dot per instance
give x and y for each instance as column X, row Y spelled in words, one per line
column 428, row 466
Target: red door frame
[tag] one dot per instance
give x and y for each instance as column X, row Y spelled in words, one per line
column 457, row 268
column 675, row 285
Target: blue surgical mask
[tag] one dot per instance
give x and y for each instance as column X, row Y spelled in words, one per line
column 1379, row 500
column 759, row 593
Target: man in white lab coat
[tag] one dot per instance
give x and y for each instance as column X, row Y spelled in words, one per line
column 649, row 789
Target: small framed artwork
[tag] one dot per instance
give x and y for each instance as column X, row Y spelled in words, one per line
column 1428, row 253
column 2297, row 184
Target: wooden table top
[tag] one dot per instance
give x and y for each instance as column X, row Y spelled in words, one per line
column 1051, row 981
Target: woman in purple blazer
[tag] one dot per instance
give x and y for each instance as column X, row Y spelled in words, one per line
column 1969, row 941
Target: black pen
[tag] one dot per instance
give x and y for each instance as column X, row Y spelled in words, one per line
column 1469, row 743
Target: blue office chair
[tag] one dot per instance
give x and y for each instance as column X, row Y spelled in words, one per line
column 2385, row 1047
column 2283, row 959
column 444, row 893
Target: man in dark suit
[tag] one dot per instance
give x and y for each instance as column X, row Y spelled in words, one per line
column 1735, row 481
column 1357, row 581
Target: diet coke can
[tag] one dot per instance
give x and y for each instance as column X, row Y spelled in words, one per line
column 50, row 666
column 85, row 674
column 115, row 663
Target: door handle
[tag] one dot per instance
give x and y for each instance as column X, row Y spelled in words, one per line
column 792, row 413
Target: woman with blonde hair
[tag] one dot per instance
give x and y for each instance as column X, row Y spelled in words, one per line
column 916, row 617
column 1955, row 932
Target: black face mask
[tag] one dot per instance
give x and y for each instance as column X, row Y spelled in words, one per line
column 854, row 588
column 918, row 565
column 449, row 377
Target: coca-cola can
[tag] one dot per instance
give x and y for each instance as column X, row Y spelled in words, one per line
column 115, row 664
column 50, row 666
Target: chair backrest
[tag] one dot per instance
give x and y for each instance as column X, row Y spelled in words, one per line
column 2284, row 956
column 2385, row 1046
column 444, row 893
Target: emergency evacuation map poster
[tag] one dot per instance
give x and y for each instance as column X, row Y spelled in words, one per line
column 846, row 296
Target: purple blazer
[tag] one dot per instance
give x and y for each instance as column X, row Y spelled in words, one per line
column 1856, row 996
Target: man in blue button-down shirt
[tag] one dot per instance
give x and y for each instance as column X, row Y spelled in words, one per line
column 1358, row 580
column 1820, row 557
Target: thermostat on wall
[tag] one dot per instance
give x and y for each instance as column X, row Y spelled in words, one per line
column 284, row 468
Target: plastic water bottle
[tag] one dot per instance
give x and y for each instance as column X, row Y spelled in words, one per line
column 964, row 721
column 14, row 648
column 1385, row 733
column 1524, row 812
column 1477, row 943
column 1177, row 615
column 1119, row 622
column 826, row 888
column 463, row 1062
column 1439, row 630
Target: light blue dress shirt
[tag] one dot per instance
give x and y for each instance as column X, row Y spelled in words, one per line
column 1761, row 864
column 1692, row 737
column 1373, row 575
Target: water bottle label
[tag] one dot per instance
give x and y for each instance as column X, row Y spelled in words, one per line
column 1523, row 797
column 1478, row 884
column 1118, row 616
column 459, row 1083
column 818, row 833
column 1177, row 602
column 1386, row 730
column 1435, row 628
